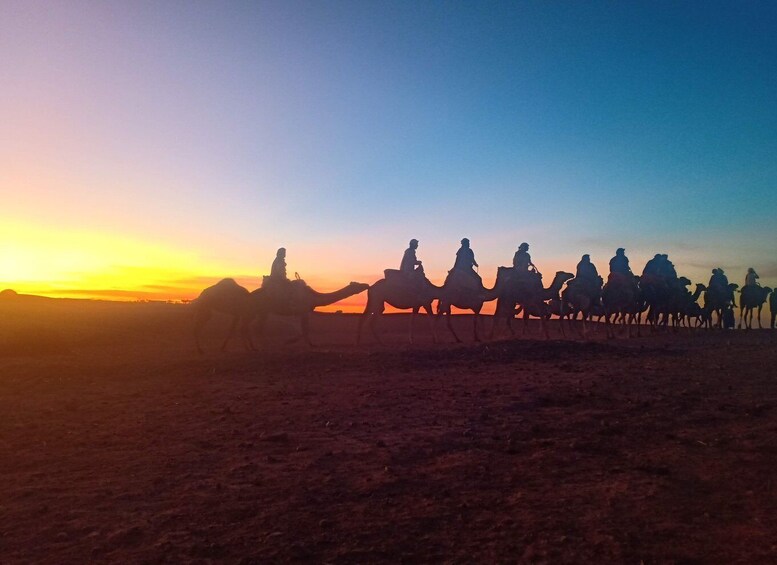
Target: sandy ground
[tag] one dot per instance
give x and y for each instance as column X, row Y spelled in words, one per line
column 119, row 444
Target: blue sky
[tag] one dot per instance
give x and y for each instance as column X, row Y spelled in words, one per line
column 343, row 129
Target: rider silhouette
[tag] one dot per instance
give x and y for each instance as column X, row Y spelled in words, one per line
column 278, row 269
column 653, row 266
column 620, row 263
column 278, row 284
column 522, row 259
column 586, row 273
column 718, row 279
column 666, row 268
column 465, row 260
column 751, row 279
column 411, row 267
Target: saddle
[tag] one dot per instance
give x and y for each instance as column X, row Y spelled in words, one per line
column 463, row 280
column 411, row 281
column 283, row 289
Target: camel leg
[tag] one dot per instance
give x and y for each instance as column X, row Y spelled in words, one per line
column 373, row 323
column 257, row 327
column 760, row 327
column 359, row 327
column 449, row 323
column 475, row 325
column 245, row 334
column 305, row 327
column 232, row 331
column 412, row 323
column 608, row 327
column 201, row 317
column 432, row 327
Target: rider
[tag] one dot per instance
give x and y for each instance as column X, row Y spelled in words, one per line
column 718, row 279
column 465, row 260
column 278, row 284
column 587, row 276
column 522, row 260
column 666, row 268
column 751, row 278
column 653, row 267
column 620, row 263
column 719, row 285
column 278, row 269
column 410, row 265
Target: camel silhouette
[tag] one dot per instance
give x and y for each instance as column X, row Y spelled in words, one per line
column 396, row 290
column 716, row 301
column 528, row 293
column 580, row 299
column 773, row 306
column 621, row 299
column 227, row 297
column 689, row 308
column 230, row 298
column 752, row 297
column 300, row 301
column 462, row 290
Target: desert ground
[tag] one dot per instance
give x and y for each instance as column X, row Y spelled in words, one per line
column 118, row 443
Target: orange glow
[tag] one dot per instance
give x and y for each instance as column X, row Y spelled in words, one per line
column 72, row 263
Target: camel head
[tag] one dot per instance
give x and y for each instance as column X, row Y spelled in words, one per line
column 563, row 276
column 701, row 287
column 684, row 281
column 358, row 287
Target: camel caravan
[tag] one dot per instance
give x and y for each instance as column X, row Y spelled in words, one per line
column 658, row 297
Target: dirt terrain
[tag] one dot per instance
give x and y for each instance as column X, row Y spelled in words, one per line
column 118, row 443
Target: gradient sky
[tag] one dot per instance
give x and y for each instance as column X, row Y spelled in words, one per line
column 149, row 148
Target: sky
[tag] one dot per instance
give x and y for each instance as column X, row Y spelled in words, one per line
column 149, row 149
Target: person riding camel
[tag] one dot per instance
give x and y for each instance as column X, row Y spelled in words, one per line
column 587, row 276
column 522, row 262
column 751, row 279
column 278, row 269
column 666, row 269
column 465, row 260
column 411, row 268
column 278, row 284
column 620, row 263
column 718, row 280
column 653, row 267
column 719, row 285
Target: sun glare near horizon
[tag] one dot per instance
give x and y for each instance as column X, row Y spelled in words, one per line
column 73, row 263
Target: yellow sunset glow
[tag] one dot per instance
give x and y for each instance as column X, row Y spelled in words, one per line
column 37, row 260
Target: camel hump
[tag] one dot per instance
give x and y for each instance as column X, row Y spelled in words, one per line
column 391, row 273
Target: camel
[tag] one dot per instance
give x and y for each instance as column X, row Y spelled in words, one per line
column 300, row 300
column 679, row 297
column 397, row 291
column 527, row 292
column 690, row 309
column 753, row 296
column 227, row 297
column 718, row 300
column 581, row 298
column 621, row 298
column 462, row 290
